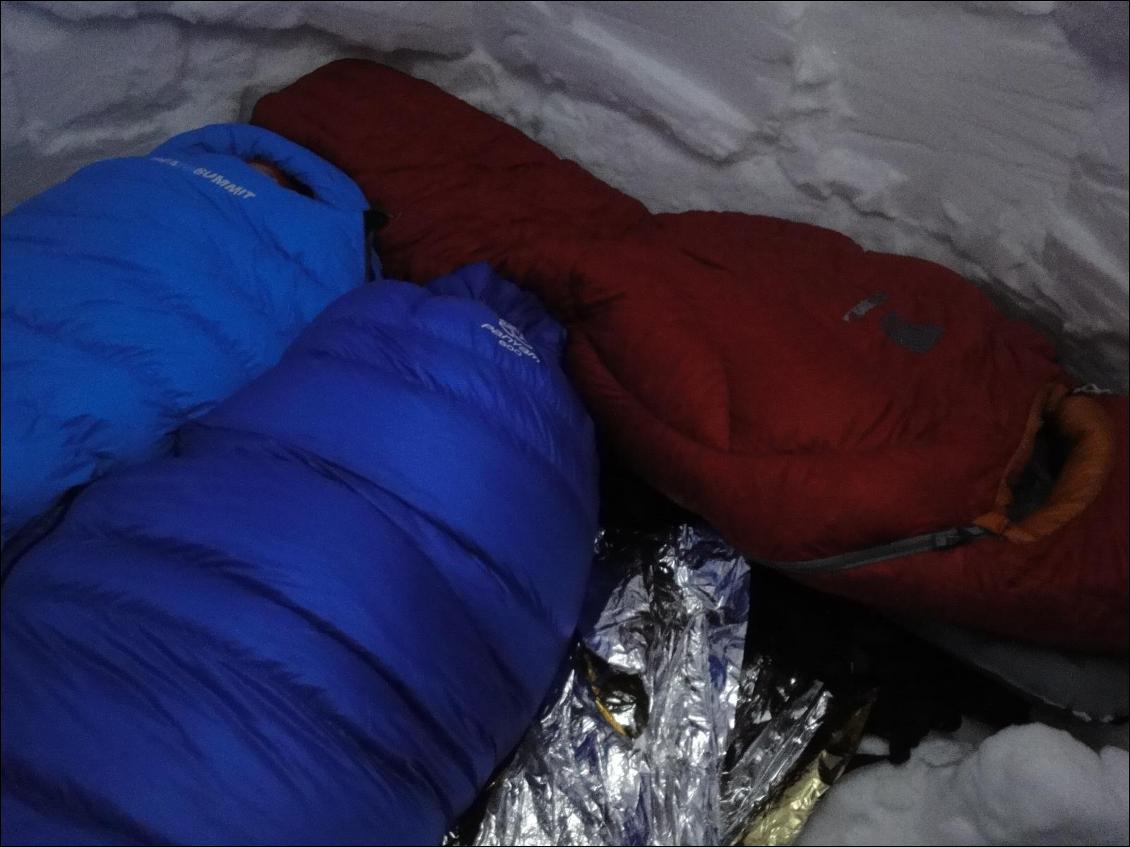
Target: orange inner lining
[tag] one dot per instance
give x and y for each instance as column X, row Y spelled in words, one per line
column 280, row 176
column 1081, row 421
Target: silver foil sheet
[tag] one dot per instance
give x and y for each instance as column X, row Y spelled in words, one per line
column 641, row 745
column 631, row 751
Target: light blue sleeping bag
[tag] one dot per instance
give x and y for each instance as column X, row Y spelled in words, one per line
column 143, row 290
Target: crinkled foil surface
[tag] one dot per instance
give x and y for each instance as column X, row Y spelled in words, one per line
column 659, row 733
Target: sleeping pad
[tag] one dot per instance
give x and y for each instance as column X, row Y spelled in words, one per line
column 868, row 423
column 333, row 611
column 142, row 290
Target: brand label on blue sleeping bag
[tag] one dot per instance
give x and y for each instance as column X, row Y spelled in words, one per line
column 212, row 176
column 511, row 338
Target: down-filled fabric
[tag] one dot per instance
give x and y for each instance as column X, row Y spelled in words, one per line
column 333, row 611
column 810, row 398
column 142, row 290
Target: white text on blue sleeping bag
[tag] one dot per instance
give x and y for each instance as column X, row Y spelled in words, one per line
column 213, row 177
column 511, row 338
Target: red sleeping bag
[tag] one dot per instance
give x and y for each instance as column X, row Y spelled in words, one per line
column 858, row 419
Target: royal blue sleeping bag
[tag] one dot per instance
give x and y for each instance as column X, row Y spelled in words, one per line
column 139, row 292
column 329, row 615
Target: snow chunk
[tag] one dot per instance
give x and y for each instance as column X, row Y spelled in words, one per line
column 583, row 55
column 435, row 27
column 1025, row 785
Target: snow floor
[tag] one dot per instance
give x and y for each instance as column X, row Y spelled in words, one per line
column 1023, row 785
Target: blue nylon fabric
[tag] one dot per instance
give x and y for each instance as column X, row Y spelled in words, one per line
column 333, row 611
column 139, row 292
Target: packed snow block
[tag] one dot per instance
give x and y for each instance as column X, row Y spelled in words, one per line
column 329, row 616
column 143, row 290
column 818, row 403
column 1028, row 784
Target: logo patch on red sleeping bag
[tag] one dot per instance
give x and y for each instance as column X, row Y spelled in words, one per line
column 918, row 338
column 864, row 306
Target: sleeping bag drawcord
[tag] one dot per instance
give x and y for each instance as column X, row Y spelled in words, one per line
column 942, row 540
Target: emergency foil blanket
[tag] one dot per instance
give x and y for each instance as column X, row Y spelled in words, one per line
column 659, row 733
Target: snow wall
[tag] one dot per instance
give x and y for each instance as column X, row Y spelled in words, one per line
column 990, row 137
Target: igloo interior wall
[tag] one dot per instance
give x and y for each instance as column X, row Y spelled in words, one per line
column 991, row 137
